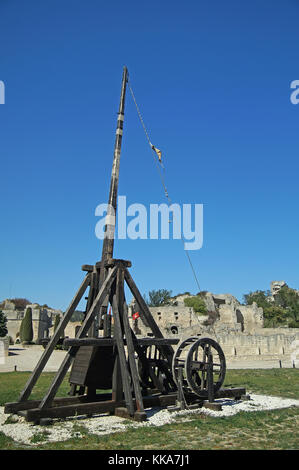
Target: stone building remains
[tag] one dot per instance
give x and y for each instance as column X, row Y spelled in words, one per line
column 239, row 329
column 42, row 319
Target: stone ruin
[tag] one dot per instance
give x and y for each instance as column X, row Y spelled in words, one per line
column 226, row 311
column 239, row 329
column 42, row 320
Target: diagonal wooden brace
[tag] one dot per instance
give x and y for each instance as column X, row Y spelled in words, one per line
column 145, row 313
column 103, row 292
column 51, row 345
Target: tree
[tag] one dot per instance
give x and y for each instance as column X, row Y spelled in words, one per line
column 26, row 331
column 77, row 316
column 21, row 330
column 275, row 316
column 197, row 303
column 276, row 313
column 260, row 297
column 288, row 299
column 3, row 327
column 56, row 321
column 20, row 303
column 159, row 297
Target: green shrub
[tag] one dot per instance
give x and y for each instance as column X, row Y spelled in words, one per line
column 20, row 303
column 59, row 345
column 197, row 303
column 56, row 321
column 3, row 327
column 26, row 331
column 282, row 311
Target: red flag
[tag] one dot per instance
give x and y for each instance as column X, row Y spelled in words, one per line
column 135, row 315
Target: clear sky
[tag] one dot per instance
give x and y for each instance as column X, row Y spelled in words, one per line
column 212, row 80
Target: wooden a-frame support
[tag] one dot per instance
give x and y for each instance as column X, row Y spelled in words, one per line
column 127, row 398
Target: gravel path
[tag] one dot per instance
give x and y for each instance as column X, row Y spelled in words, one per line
column 25, row 358
column 24, row 432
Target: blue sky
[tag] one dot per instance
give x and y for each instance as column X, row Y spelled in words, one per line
column 212, row 80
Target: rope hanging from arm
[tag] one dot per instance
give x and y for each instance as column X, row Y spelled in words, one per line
column 160, row 173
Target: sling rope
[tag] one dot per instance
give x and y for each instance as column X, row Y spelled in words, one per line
column 160, row 175
column 164, row 185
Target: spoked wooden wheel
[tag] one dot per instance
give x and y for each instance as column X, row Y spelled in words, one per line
column 191, row 361
column 154, row 370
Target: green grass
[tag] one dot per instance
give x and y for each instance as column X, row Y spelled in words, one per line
column 257, row 430
column 12, row 383
column 276, row 382
column 269, row 430
column 40, row 437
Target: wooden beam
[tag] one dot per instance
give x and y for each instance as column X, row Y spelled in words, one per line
column 14, row 407
column 147, row 316
column 87, row 267
column 118, row 335
column 102, row 342
column 52, row 343
column 122, row 412
column 117, row 386
column 106, row 406
column 235, row 392
column 131, row 352
column 93, row 292
column 108, row 243
column 112, row 261
column 64, row 411
column 82, row 332
column 89, row 408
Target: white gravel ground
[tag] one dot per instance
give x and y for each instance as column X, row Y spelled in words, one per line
column 23, row 432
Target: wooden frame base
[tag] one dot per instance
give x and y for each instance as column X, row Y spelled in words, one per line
column 131, row 393
column 102, row 403
column 105, row 282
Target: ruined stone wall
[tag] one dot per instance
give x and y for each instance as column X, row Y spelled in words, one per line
column 70, row 329
column 277, row 344
column 239, row 329
column 42, row 320
column 4, row 346
column 172, row 320
column 245, row 318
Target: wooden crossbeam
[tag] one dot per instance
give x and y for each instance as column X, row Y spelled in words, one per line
column 103, row 292
column 54, row 340
column 66, row 404
column 15, row 407
column 102, row 342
